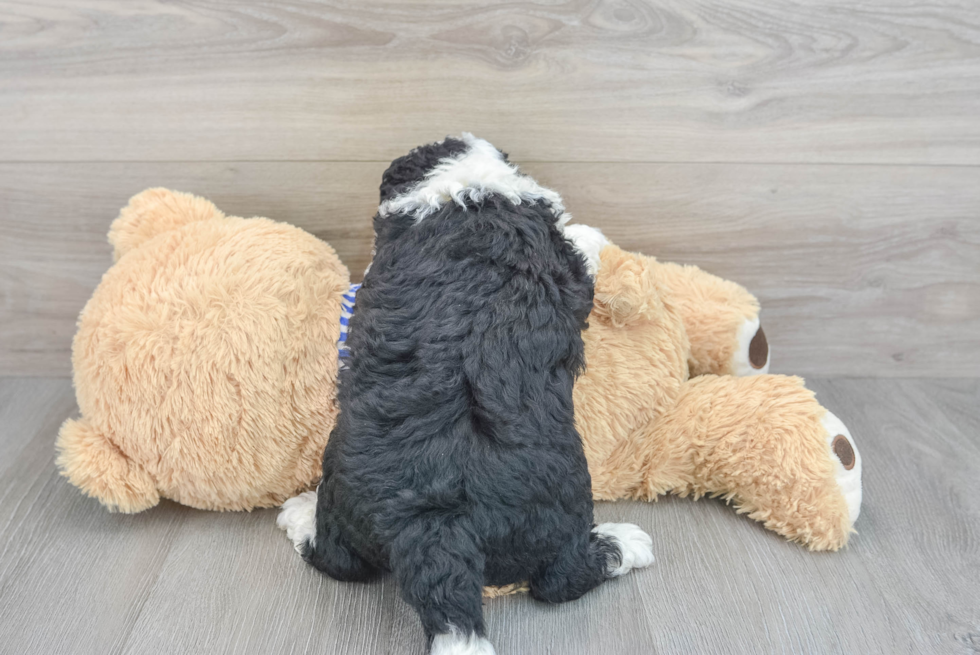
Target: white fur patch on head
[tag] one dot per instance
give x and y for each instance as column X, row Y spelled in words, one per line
column 454, row 643
column 298, row 519
column 635, row 546
column 473, row 175
column 846, row 472
column 589, row 242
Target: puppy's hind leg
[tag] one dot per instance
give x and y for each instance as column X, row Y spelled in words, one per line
column 635, row 547
column 317, row 537
column 439, row 569
column 608, row 551
column 298, row 519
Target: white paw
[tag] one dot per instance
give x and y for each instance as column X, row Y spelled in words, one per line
column 752, row 354
column 635, row 546
column 589, row 242
column 298, row 519
column 847, row 463
column 454, row 643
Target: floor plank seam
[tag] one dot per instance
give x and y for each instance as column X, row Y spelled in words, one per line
column 522, row 162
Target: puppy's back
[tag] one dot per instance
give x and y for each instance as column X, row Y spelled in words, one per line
column 455, row 462
column 465, row 344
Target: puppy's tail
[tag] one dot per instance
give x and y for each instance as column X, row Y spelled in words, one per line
column 100, row 470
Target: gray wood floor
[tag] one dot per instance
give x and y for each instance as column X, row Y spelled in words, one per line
column 76, row 579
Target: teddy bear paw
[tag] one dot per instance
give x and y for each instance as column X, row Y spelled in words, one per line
column 751, row 355
column 847, row 463
column 635, row 546
column 298, row 519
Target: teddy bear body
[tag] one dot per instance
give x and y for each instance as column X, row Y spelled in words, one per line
column 206, row 371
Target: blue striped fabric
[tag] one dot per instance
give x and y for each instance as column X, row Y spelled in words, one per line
column 346, row 311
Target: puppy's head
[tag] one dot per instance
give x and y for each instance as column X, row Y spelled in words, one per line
column 409, row 170
column 458, row 170
column 468, row 171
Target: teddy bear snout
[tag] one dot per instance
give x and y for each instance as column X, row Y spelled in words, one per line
column 844, row 451
column 759, row 349
column 846, row 459
column 751, row 356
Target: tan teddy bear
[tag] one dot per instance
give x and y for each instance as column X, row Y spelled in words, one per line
column 649, row 428
column 205, row 363
column 206, row 368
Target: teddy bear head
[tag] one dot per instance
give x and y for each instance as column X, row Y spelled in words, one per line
column 205, row 363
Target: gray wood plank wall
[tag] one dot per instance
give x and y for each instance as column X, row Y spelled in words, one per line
column 826, row 154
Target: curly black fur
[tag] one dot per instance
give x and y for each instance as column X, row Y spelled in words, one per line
column 455, row 461
column 409, row 169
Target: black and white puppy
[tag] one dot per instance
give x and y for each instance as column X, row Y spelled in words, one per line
column 455, row 462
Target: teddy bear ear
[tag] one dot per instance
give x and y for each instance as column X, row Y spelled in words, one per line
column 153, row 212
column 623, row 287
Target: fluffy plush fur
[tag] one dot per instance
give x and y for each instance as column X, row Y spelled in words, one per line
column 178, row 404
column 650, row 428
column 455, row 461
column 205, row 362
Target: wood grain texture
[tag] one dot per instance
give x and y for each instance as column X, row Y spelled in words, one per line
column 76, row 579
column 72, row 578
column 861, row 270
column 893, row 81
